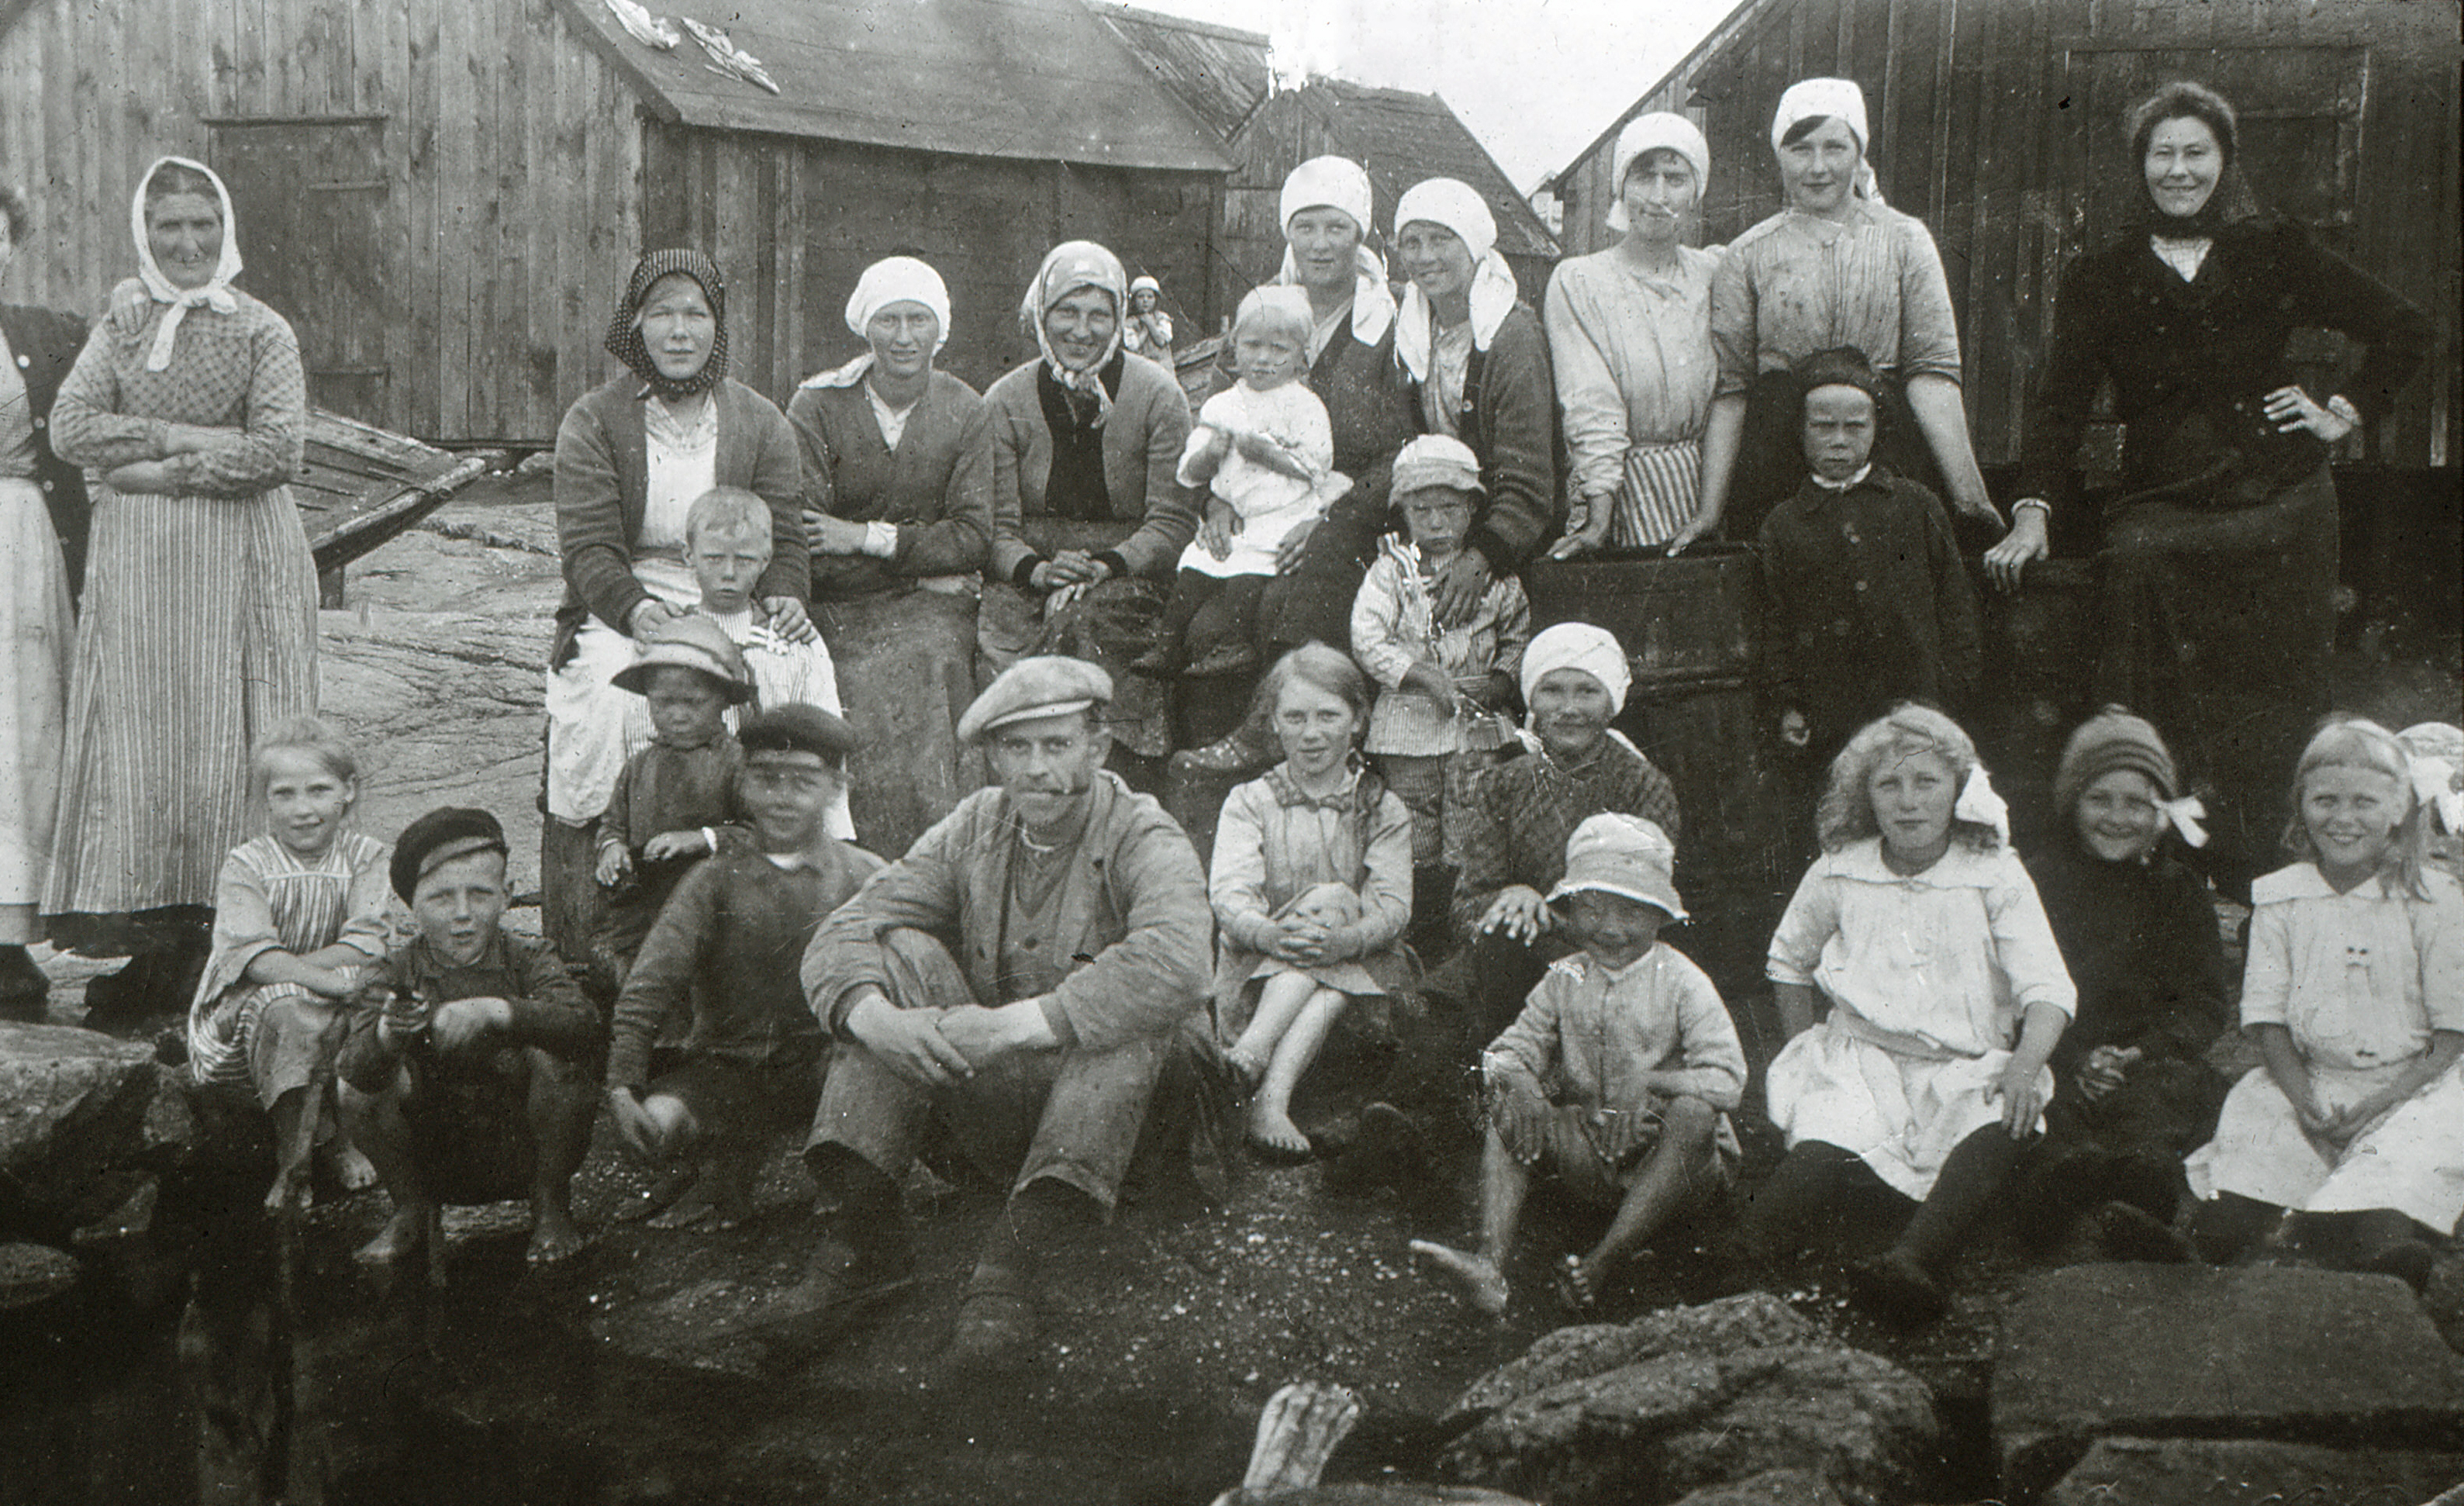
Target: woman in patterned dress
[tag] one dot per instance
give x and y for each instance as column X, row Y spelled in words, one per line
column 199, row 629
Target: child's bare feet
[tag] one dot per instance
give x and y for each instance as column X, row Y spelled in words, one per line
column 1483, row 1282
column 351, row 1171
column 402, row 1234
column 1272, row 1130
column 1252, row 1069
column 555, row 1238
column 1578, row 1284
column 289, row 1196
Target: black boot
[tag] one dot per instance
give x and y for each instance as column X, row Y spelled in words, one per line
column 1906, row 1283
column 994, row 1329
column 1248, row 750
column 23, row 987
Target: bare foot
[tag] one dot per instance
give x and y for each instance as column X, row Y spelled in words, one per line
column 1483, row 1282
column 1271, row 1129
column 290, row 1197
column 402, row 1235
column 355, row 1172
column 1301, row 1425
column 1577, row 1285
column 555, row 1238
column 1252, row 1069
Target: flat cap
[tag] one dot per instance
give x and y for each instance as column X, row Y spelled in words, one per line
column 1044, row 685
column 437, row 838
column 691, row 642
column 796, row 728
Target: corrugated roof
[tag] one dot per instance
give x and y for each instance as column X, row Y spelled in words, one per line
column 1041, row 80
column 1217, row 71
column 1401, row 138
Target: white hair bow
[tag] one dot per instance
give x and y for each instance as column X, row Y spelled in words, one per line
column 2434, row 784
column 2185, row 814
column 1978, row 803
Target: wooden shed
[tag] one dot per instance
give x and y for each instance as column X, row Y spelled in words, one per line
column 2000, row 125
column 1399, row 136
column 445, row 196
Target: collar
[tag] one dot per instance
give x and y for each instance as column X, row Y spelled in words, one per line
column 1963, row 867
column 495, row 951
column 1848, row 485
column 1288, row 792
column 2304, row 881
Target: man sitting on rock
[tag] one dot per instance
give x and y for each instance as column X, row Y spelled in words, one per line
column 1077, row 927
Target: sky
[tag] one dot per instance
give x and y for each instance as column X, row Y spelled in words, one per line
column 1536, row 81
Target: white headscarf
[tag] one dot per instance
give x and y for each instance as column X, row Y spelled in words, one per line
column 1658, row 131
column 1459, row 207
column 215, row 293
column 1068, row 267
column 1577, row 645
column 1340, row 183
column 894, row 280
column 1812, row 98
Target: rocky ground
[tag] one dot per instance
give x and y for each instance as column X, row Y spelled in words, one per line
column 637, row 1375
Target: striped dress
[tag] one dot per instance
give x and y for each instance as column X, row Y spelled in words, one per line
column 198, row 629
column 269, row 900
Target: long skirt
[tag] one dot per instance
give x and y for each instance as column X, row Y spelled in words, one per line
column 1903, row 1116
column 2410, row 1159
column 1108, row 626
column 592, row 727
column 38, row 639
column 2217, row 626
column 198, row 633
column 906, row 673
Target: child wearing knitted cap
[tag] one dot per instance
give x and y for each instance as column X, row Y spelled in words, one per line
column 1617, row 1078
column 1264, row 451
column 2132, row 1091
column 461, row 1072
column 1867, row 600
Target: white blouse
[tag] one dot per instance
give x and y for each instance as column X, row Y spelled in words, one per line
column 682, row 452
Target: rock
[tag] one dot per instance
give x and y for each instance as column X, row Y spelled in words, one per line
column 1754, row 1320
column 31, row 1273
column 133, row 1215
column 2279, row 1354
column 73, row 1107
column 1770, row 1488
column 1380, row 1495
column 2248, row 1471
column 1693, row 1398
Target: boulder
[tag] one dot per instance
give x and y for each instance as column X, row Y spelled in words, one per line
column 2241, row 1471
column 31, row 1273
column 1693, row 1398
column 1770, row 1488
column 73, row 1110
column 2279, row 1354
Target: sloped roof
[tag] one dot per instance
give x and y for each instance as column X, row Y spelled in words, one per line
column 1401, row 138
column 1040, row 79
column 1686, row 67
column 1220, row 72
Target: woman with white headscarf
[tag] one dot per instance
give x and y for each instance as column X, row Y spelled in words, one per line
column 1630, row 338
column 898, row 501
column 199, row 624
column 1479, row 364
column 1089, row 516
column 1835, row 266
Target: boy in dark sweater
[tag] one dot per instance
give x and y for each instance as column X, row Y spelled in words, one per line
column 676, row 801
column 728, row 946
column 1867, row 600
column 460, row 1072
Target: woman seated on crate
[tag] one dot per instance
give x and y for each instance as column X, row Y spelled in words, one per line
column 630, row 458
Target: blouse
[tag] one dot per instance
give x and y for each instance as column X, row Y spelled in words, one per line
column 239, row 370
column 17, row 457
column 1797, row 284
column 683, row 459
column 932, row 485
column 1521, row 812
column 1394, row 625
column 1633, row 356
column 268, row 900
column 2362, row 978
column 1586, row 1034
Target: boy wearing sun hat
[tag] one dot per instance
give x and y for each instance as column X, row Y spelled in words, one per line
column 1617, row 1078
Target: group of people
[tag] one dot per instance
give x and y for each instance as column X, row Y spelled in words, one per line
column 855, row 709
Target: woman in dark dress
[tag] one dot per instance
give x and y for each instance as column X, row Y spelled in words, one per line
column 2219, row 563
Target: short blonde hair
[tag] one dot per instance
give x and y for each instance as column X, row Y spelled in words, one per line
column 319, row 740
column 2358, row 743
column 1846, row 813
column 729, row 508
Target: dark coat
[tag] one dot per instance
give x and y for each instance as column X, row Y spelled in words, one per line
column 47, row 345
column 1510, row 419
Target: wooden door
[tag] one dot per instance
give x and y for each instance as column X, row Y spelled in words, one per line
column 312, row 201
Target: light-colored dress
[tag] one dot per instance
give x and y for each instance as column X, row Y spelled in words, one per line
column 268, row 900
column 1273, row 843
column 198, row 629
column 1394, row 625
column 37, row 631
column 1929, row 976
column 2360, row 980
column 1634, row 368
column 1268, row 503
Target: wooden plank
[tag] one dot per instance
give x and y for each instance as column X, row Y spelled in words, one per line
column 423, row 265
column 456, row 168
column 542, row 228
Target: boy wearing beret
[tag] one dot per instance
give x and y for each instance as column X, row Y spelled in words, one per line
column 725, row 950
column 460, row 1075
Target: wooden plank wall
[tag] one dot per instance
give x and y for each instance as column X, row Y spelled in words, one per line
column 1978, row 134
column 514, row 155
column 835, row 208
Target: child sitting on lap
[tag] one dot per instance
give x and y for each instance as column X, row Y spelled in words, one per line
column 461, row 1076
column 2355, row 991
column 728, row 947
column 1311, row 883
column 298, row 914
column 675, row 801
column 1264, row 450
column 1617, row 1078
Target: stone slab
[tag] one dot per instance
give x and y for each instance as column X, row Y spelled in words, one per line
column 31, row 1273
column 2153, row 1472
column 73, row 1104
column 2266, row 1353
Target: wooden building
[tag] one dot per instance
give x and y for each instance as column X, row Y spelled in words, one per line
column 445, row 196
column 1999, row 124
column 1400, row 136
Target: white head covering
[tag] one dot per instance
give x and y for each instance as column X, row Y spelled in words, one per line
column 215, row 293
column 1458, row 207
column 894, row 280
column 1577, row 645
column 1068, row 267
column 1338, row 183
column 1147, row 284
column 1813, row 98
column 1658, row 131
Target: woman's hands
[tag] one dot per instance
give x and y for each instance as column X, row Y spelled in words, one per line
column 1216, row 532
column 2022, row 1097
column 832, row 535
column 1294, row 548
column 2104, row 1070
column 1455, row 595
column 614, row 864
column 788, row 619
column 1069, row 567
column 647, row 614
column 2289, row 408
column 1518, row 912
column 143, row 478
column 669, row 845
column 2025, row 544
column 1587, row 528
